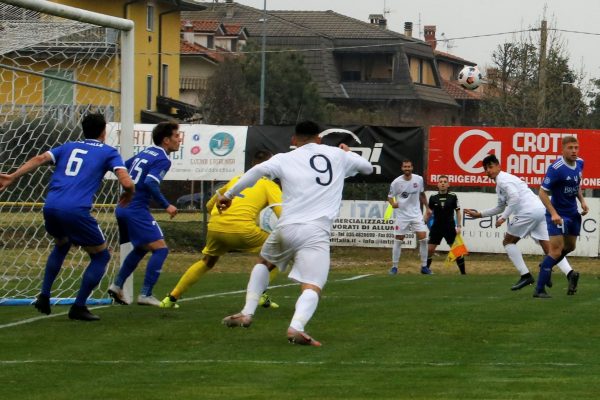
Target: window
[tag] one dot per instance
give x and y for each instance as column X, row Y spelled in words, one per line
column 150, row 17
column 149, row 92
column 164, row 75
column 59, row 92
column 210, row 42
column 350, row 75
column 422, row 71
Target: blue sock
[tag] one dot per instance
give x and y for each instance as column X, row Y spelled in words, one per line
column 92, row 276
column 53, row 265
column 129, row 265
column 153, row 269
column 545, row 272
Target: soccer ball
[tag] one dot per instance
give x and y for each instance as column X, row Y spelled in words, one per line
column 469, row 78
column 267, row 219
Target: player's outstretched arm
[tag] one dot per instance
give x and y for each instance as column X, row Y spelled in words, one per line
column 33, row 163
column 472, row 213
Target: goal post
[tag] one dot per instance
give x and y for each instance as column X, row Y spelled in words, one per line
column 57, row 63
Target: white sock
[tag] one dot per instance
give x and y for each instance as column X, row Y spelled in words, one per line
column 305, row 308
column 516, row 257
column 259, row 280
column 423, row 251
column 564, row 266
column 396, row 251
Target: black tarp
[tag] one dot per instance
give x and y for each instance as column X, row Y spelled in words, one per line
column 385, row 147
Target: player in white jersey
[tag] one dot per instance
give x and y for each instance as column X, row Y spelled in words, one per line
column 312, row 178
column 407, row 197
column 516, row 199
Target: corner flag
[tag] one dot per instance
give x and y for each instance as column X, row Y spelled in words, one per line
column 457, row 250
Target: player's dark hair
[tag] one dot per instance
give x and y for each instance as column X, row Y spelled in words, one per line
column 489, row 160
column 443, row 177
column 569, row 139
column 307, row 129
column 260, row 156
column 93, row 125
column 163, row 130
column 406, row 160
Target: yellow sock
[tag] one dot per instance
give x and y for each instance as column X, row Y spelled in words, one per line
column 191, row 276
column 273, row 273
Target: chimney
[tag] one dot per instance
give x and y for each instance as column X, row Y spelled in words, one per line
column 229, row 8
column 429, row 31
column 408, row 29
column 379, row 20
column 188, row 32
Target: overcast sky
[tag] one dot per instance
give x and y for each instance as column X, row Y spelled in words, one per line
column 458, row 19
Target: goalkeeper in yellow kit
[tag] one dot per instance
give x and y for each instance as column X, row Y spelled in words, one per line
column 234, row 229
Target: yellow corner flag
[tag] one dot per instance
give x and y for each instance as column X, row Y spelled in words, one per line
column 458, row 249
column 388, row 212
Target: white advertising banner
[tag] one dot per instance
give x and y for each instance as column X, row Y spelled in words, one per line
column 208, row 152
column 482, row 236
column 362, row 224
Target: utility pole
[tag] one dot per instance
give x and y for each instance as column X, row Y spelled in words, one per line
column 262, row 64
column 541, row 106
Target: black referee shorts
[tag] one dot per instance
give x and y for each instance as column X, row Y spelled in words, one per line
column 437, row 233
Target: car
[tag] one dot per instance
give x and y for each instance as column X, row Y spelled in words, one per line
column 192, row 201
column 196, row 201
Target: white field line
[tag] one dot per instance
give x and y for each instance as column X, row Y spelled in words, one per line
column 206, row 296
column 280, row 362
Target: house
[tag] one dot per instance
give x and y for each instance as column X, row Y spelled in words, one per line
column 78, row 57
column 370, row 74
column 449, row 66
column 204, row 45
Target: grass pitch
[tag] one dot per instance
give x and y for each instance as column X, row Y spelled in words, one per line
column 404, row 337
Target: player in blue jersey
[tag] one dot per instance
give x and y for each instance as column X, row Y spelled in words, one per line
column 136, row 224
column 563, row 182
column 79, row 170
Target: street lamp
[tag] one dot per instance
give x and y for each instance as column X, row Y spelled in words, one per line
column 262, row 64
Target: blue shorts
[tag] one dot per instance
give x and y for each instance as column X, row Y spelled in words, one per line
column 571, row 225
column 77, row 225
column 137, row 226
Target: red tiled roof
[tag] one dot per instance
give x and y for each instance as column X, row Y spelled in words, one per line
column 453, row 57
column 455, row 90
column 202, row 25
column 233, row 29
column 188, row 48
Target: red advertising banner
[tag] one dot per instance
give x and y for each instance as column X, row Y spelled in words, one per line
column 457, row 151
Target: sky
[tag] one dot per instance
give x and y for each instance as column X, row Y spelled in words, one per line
column 459, row 19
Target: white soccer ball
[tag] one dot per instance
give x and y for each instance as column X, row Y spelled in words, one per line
column 267, row 219
column 469, row 78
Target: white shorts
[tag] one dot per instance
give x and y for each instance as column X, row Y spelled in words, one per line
column 533, row 225
column 406, row 226
column 306, row 245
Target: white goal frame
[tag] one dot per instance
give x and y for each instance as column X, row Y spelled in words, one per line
column 127, row 93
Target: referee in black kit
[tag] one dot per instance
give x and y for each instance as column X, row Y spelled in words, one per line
column 446, row 220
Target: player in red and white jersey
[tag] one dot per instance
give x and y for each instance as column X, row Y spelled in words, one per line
column 527, row 218
column 407, row 197
column 312, row 179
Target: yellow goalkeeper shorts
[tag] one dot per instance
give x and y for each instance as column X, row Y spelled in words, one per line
column 219, row 243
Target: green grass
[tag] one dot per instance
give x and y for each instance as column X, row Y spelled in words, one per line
column 405, row 337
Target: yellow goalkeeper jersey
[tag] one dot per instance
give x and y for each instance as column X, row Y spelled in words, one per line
column 242, row 215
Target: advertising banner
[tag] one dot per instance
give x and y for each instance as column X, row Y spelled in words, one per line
column 384, row 147
column 457, row 151
column 361, row 224
column 208, row 152
column 482, row 236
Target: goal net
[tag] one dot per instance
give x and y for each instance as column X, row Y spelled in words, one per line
column 53, row 71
